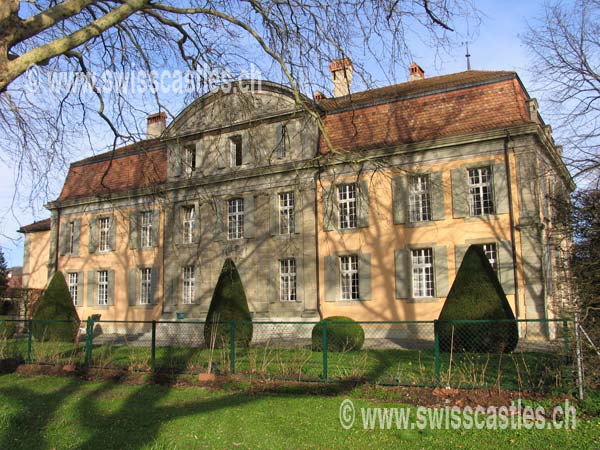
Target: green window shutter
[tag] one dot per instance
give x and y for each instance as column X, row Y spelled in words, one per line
column 440, row 261
column 297, row 212
column 222, row 150
column 329, row 208
column 133, row 230
column 500, row 188
column 62, row 245
column 219, row 226
column 332, row 278
column 460, row 194
column 196, row 223
column 197, row 281
column 403, row 275
column 154, row 285
column 245, row 148
column 400, row 199
column 80, row 276
column 363, row 204
column 91, row 288
column 505, row 267
column 299, row 279
column 437, row 196
column 249, row 216
column 155, row 227
column 92, row 235
column 171, row 283
column 77, row 237
column 274, row 215
column 113, row 233
column 132, row 286
column 199, row 155
column 459, row 254
column 364, row 276
column 111, row 287
column 279, row 143
column 176, row 153
column 272, row 282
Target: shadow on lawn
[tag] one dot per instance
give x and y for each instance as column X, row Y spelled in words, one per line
column 136, row 421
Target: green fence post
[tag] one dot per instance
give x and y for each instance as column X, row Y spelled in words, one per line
column 153, row 349
column 29, row 335
column 232, row 346
column 324, row 345
column 89, row 340
column 436, row 350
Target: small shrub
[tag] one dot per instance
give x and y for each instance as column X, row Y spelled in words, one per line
column 7, row 329
column 477, row 295
column 56, row 304
column 228, row 303
column 343, row 334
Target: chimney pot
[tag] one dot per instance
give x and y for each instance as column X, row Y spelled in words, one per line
column 318, row 96
column 156, row 124
column 415, row 72
column 341, row 73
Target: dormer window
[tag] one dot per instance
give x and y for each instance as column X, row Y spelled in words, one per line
column 237, row 158
column 189, row 160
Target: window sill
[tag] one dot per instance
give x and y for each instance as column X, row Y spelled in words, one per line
column 419, row 299
column 351, row 302
column 485, row 217
column 424, row 223
column 138, row 306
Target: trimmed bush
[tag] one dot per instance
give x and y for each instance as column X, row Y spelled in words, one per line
column 228, row 303
column 477, row 295
column 341, row 337
column 56, row 304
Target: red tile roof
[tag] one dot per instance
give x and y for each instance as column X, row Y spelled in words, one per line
column 41, row 225
column 424, row 110
column 135, row 166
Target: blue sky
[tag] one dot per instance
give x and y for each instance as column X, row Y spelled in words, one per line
column 497, row 46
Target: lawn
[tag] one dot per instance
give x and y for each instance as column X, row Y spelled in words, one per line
column 41, row 412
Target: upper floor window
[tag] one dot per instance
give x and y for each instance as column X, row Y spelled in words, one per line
column 287, row 280
column 189, row 160
column 189, row 216
column 189, row 288
column 422, row 272
column 237, row 156
column 419, row 198
column 104, row 223
column 235, row 219
column 481, row 200
column 73, row 287
column 349, row 281
column 71, row 238
column 286, row 213
column 347, row 206
column 491, row 252
column 102, row 287
column 145, row 285
column 282, row 145
column 146, row 229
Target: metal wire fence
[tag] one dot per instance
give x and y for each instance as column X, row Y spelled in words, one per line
column 525, row 354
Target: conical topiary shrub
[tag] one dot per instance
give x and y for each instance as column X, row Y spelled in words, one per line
column 56, row 304
column 228, row 303
column 477, row 295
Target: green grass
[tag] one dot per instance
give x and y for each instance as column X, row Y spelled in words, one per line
column 519, row 370
column 64, row 413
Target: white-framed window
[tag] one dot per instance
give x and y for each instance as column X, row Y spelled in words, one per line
column 422, row 272
column 73, row 287
column 189, row 288
column 236, row 152
column 145, row 285
column 189, row 160
column 481, row 198
column 235, row 218
column 102, row 287
column 349, row 282
column 491, row 252
column 282, row 147
column 286, row 213
column 347, row 206
column 146, row 229
column 287, row 280
column 71, row 237
column 187, row 226
column 419, row 198
column 104, row 225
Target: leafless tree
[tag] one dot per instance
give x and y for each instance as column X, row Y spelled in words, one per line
column 47, row 113
column 565, row 44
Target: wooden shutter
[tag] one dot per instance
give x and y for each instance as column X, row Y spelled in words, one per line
column 92, row 235
column 111, row 287
column 132, row 284
column 437, row 196
column 459, row 254
column 246, row 154
column 440, row 261
column 272, row 281
column 400, row 199
column 249, row 216
column 80, row 276
column 133, row 230
column 76, row 237
column 154, row 285
column 299, row 279
column 91, row 288
column 219, row 226
column 199, row 155
column 403, row 275
column 364, row 276
column 505, row 267
column 62, row 244
column 176, row 153
column 460, row 193
column 332, row 278
column 279, row 142
column 500, row 188
column 274, row 214
column 329, row 208
column 362, row 199
column 112, row 235
column 155, row 227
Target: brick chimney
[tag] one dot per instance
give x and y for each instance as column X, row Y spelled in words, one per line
column 156, row 124
column 415, row 72
column 341, row 73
